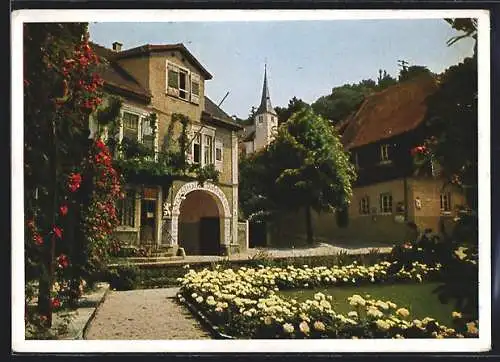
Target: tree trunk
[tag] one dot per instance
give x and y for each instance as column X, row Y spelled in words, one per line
column 47, row 276
column 309, row 227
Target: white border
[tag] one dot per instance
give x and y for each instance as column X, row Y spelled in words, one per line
column 19, row 344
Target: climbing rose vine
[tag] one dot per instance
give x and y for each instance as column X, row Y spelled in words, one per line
column 100, row 218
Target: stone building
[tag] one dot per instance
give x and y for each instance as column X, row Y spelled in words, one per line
column 169, row 213
column 265, row 123
column 389, row 197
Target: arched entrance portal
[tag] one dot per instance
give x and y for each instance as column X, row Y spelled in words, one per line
column 199, row 224
column 201, row 219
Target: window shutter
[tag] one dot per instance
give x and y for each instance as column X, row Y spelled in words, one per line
column 195, row 88
column 172, row 79
column 219, row 154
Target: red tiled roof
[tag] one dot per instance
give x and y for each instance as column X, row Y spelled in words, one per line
column 150, row 48
column 393, row 111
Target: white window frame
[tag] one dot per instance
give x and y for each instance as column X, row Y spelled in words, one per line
column 172, row 91
column 384, row 153
column 445, row 203
column 205, row 131
column 219, row 146
column 142, row 114
column 382, row 203
column 364, row 205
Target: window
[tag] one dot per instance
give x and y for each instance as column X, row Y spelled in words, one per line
column 384, row 153
column 208, row 149
column 197, row 149
column 126, row 209
column 364, row 205
column 218, row 154
column 386, row 203
column 177, row 81
column 130, row 125
column 147, row 134
column 261, row 118
column 445, row 202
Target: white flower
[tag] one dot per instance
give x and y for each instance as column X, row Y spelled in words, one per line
column 199, row 299
column 403, row 312
column 304, row 327
column 268, row 320
column 352, row 314
column 382, row 305
column 383, row 325
column 319, row 326
column 288, row 328
column 374, row 312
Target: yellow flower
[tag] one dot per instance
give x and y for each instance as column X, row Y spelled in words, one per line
column 319, row 326
column 288, row 328
column 403, row 312
column 472, row 328
column 304, row 327
column 374, row 312
column 383, row 325
column 382, row 305
column 460, row 253
column 456, row 315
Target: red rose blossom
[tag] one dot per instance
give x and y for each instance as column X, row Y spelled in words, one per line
column 56, row 303
column 38, row 239
column 57, row 232
column 62, row 261
column 63, row 210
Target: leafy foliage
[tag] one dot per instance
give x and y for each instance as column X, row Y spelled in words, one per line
column 304, row 167
column 294, row 105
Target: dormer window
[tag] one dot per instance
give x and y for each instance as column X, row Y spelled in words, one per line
column 177, row 81
column 384, row 153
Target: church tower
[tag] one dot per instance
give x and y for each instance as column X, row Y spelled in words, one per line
column 266, row 119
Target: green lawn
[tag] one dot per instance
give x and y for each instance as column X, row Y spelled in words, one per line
column 419, row 299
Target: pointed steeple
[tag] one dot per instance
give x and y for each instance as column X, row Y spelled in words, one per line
column 265, row 102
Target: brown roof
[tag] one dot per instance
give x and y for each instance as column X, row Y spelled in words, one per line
column 393, row 111
column 116, row 78
column 249, row 137
column 150, row 48
column 219, row 116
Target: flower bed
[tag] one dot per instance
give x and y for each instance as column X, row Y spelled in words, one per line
column 245, row 304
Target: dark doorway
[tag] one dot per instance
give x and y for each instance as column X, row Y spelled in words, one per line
column 257, row 234
column 148, row 221
column 210, row 235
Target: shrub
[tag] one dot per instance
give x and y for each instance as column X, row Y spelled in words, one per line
column 124, row 277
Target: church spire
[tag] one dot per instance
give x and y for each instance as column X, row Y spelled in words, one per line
column 265, row 102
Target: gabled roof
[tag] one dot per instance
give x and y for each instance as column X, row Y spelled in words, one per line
column 219, row 116
column 116, row 78
column 398, row 109
column 150, row 48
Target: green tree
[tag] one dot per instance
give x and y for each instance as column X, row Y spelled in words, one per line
column 412, row 72
column 294, row 105
column 305, row 167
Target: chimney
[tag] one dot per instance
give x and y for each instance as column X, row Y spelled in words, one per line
column 117, row 47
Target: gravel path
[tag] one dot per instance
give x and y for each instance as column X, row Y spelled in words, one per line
column 144, row 314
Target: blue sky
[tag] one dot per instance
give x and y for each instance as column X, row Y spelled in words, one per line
column 305, row 58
